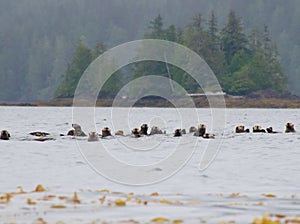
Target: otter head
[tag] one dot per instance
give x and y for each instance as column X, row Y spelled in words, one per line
column 93, row 136
column 106, row 132
column 4, row 135
column 78, row 131
column 240, row 129
column 177, row 133
column 136, row 132
column 201, row 129
column 144, row 129
column 155, row 130
column 256, row 127
column 76, row 126
column 119, row 132
column 290, row 127
column 192, row 129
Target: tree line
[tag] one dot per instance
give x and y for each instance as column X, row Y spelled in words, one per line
column 39, row 38
column 243, row 62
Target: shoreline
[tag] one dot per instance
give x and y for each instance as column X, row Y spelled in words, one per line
column 200, row 102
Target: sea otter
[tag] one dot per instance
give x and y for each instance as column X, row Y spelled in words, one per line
column 119, row 132
column 270, row 130
column 144, row 129
column 289, row 127
column 106, row 132
column 258, row 129
column 177, row 133
column 71, row 133
column 241, row 129
column 201, row 130
column 155, row 130
column 93, row 136
column 39, row 133
column 192, row 129
column 136, row 132
column 77, row 130
column 4, row 135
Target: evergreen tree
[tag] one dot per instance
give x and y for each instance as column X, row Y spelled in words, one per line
column 81, row 59
column 233, row 37
column 196, row 38
column 216, row 58
column 156, row 27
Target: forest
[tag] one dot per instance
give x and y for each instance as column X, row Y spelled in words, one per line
column 38, row 41
column 242, row 63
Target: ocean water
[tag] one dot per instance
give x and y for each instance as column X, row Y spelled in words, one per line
column 251, row 174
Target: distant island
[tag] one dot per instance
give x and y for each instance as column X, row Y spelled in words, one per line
column 243, row 63
column 261, row 99
column 250, row 46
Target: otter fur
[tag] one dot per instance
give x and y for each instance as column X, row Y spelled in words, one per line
column 200, row 131
column 119, row 132
column 71, row 133
column 93, row 136
column 177, row 133
column 136, row 132
column 241, row 129
column 289, row 127
column 144, row 129
column 155, row 130
column 4, row 135
column 106, row 132
column 258, row 129
column 270, row 130
column 77, row 130
column 192, row 129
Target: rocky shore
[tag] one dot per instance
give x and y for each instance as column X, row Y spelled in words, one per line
column 200, row 102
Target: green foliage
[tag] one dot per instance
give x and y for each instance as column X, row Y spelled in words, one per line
column 239, row 83
column 28, row 26
column 37, row 38
column 233, row 37
column 82, row 58
column 240, row 59
column 242, row 64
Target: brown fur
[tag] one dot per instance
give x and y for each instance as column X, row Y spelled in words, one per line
column 4, row 135
column 78, row 131
column 192, row 129
column 289, row 127
column 93, row 136
column 136, row 132
column 155, row 130
column 119, row 132
column 144, row 129
column 106, row 132
column 257, row 129
column 177, row 133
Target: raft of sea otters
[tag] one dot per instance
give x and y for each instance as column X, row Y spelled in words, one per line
column 143, row 131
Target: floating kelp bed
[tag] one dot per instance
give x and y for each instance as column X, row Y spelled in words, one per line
column 41, row 206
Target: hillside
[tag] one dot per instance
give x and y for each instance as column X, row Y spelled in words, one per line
column 38, row 38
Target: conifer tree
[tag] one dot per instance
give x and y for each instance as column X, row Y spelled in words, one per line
column 233, row 37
